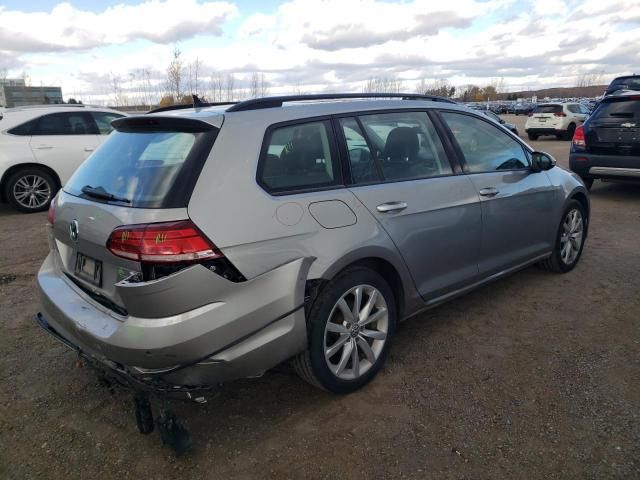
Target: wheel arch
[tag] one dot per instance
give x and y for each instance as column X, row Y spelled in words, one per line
column 582, row 198
column 24, row 166
column 379, row 260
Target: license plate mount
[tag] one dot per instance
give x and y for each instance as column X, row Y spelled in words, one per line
column 89, row 269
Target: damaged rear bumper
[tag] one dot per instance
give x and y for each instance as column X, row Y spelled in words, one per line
column 242, row 330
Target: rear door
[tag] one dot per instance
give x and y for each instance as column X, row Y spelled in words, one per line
column 402, row 174
column 63, row 141
column 518, row 221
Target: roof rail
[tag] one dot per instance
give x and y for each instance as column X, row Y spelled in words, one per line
column 50, row 105
column 272, row 102
column 197, row 103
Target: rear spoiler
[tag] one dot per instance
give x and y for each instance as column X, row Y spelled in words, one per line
column 160, row 124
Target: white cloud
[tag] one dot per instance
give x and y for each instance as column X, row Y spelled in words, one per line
column 334, row 44
column 68, row 28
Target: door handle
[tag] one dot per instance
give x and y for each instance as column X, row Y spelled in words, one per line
column 488, row 192
column 391, row 207
column 43, row 147
column 89, row 149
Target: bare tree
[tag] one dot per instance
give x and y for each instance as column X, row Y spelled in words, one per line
column 194, row 75
column 229, row 87
column 145, row 86
column 440, row 87
column 257, row 85
column 174, row 74
column 216, row 87
column 383, row 85
column 119, row 97
column 589, row 79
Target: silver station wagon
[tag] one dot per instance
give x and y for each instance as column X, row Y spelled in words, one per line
column 201, row 245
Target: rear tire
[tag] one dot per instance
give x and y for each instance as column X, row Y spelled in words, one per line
column 30, row 190
column 532, row 136
column 588, row 182
column 570, row 238
column 568, row 135
column 334, row 332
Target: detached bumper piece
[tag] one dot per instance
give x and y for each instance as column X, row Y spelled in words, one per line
column 172, row 432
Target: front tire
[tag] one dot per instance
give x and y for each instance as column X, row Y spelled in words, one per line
column 30, row 190
column 570, row 238
column 532, row 136
column 350, row 328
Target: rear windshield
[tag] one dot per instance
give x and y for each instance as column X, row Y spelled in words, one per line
column 632, row 83
column 623, row 108
column 548, row 109
column 143, row 169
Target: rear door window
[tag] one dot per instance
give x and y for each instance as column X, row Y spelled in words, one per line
column 145, row 169
column 485, row 146
column 406, row 145
column 75, row 123
column 299, row 157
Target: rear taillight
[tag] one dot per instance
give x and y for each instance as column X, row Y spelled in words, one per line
column 559, row 114
column 160, row 243
column 51, row 214
column 578, row 137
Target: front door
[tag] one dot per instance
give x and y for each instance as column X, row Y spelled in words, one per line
column 518, row 214
column 402, row 175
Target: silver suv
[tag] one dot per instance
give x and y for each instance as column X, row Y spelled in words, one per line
column 201, row 245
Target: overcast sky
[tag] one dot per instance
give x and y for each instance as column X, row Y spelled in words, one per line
column 313, row 45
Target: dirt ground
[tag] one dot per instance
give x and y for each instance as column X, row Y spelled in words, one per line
column 536, row 376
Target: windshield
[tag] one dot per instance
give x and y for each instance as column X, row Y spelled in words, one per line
column 141, row 169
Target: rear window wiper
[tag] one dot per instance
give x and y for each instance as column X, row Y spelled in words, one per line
column 100, row 192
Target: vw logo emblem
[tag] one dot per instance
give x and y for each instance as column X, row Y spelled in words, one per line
column 73, row 230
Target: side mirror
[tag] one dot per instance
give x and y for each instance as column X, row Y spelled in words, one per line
column 542, row 161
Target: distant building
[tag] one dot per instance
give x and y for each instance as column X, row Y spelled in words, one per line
column 14, row 93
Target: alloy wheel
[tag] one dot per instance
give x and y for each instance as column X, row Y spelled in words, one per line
column 32, row 191
column 571, row 236
column 356, row 332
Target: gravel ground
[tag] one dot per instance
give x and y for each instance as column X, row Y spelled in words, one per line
column 535, row 376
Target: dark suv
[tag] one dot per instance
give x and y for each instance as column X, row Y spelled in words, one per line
column 608, row 144
column 628, row 82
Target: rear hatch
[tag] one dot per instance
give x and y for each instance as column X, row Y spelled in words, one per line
column 143, row 174
column 546, row 116
column 614, row 128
